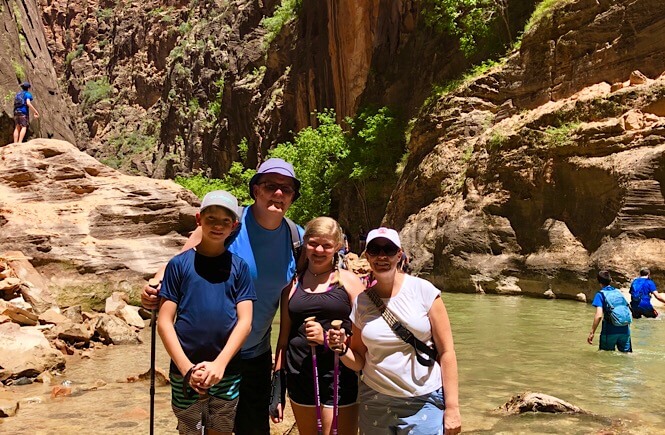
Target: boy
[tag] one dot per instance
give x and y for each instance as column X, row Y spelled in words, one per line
column 22, row 107
column 211, row 292
column 641, row 290
column 611, row 336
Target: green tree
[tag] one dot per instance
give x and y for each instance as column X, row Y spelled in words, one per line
column 315, row 154
column 468, row 20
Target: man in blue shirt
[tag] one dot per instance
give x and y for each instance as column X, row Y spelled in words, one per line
column 641, row 290
column 264, row 242
column 22, row 106
column 611, row 336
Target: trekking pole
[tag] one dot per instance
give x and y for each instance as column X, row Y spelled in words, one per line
column 317, row 397
column 335, row 324
column 154, row 283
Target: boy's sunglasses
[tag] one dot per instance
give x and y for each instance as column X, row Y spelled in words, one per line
column 387, row 249
column 272, row 188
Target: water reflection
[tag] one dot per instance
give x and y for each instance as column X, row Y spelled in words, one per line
column 505, row 345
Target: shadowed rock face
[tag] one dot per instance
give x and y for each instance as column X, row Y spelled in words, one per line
column 25, row 56
column 548, row 167
column 62, row 207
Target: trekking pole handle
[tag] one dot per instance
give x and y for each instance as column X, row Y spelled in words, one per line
column 336, row 325
column 311, row 319
column 154, row 282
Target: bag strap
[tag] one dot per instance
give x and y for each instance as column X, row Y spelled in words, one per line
column 404, row 333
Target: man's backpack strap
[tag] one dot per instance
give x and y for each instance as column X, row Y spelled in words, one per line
column 296, row 242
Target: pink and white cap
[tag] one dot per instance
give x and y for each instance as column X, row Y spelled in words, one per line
column 385, row 233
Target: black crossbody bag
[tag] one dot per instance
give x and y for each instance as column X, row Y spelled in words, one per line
column 403, row 333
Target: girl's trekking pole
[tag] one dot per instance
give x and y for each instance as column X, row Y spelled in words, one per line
column 154, row 283
column 317, row 397
column 336, row 324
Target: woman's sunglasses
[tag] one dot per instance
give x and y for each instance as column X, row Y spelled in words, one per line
column 388, row 249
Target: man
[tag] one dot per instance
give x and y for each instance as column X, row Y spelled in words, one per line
column 612, row 336
column 641, row 290
column 264, row 242
column 22, row 107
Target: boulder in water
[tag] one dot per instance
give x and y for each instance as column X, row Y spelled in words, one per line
column 538, row 402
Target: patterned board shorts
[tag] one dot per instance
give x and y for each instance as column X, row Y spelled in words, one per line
column 221, row 415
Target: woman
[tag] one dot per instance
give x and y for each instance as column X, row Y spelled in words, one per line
column 325, row 292
column 398, row 391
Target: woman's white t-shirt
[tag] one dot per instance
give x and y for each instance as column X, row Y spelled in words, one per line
column 391, row 366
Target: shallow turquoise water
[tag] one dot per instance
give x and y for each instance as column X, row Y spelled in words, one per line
column 505, row 345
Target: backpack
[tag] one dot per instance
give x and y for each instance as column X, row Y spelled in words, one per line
column 617, row 309
column 19, row 101
column 296, row 242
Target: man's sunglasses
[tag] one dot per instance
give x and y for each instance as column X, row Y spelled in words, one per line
column 272, row 188
column 388, row 249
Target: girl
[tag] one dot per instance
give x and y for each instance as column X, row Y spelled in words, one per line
column 325, row 292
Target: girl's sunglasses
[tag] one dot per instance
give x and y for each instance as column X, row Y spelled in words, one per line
column 387, row 249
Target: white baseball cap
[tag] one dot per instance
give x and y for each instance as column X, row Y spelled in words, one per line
column 221, row 198
column 385, row 233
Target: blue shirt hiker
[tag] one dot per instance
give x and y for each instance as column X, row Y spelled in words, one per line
column 641, row 290
column 611, row 336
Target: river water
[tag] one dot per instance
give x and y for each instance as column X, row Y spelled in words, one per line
column 505, row 345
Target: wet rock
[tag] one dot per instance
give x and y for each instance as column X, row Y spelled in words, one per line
column 60, row 391
column 26, row 352
column 538, row 402
column 580, row 297
column 8, row 408
column 22, row 381
column 73, row 332
column 549, row 294
column 161, row 377
column 113, row 330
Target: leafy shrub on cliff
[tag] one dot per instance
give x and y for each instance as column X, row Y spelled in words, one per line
column 287, row 10
column 468, row 20
column 543, row 11
column 96, row 90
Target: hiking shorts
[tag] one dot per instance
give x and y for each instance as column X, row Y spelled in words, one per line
column 220, row 415
column 381, row 414
column 620, row 342
column 21, row 119
column 301, row 388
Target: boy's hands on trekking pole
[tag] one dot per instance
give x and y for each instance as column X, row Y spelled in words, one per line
column 336, row 339
column 150, row 297
column 314, row 332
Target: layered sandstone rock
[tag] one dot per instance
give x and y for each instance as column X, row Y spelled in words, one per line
column 72, row 215
column 530, row 178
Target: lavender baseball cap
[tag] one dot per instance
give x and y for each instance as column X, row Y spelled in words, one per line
column 275, row 166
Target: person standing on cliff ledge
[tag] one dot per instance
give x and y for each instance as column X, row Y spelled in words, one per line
column 641, row 290
column 22, row 107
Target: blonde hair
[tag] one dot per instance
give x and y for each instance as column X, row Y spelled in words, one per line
column 325, row 226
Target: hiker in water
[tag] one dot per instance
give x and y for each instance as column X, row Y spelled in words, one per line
column 266, row 241
column 612, row 309
column 641, row 290
column 205, row 316
column 324, row 291
column 22, row 106
column 405, row 385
